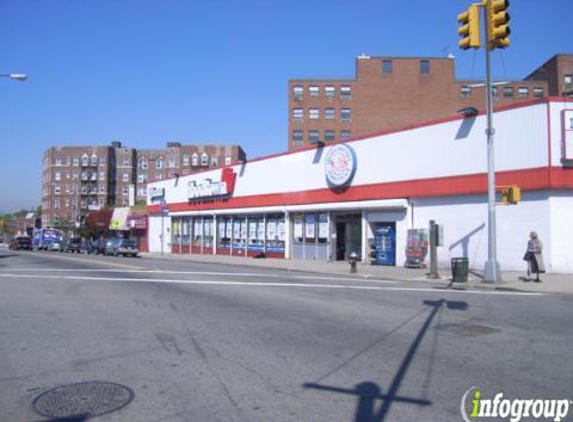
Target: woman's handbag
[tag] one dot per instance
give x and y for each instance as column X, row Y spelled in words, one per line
column 527, row 256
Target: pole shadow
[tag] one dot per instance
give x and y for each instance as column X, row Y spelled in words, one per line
column 368, row 392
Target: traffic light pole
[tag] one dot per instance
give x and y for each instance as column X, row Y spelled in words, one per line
column 492, row 272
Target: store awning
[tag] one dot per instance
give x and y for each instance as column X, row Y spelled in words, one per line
column 119, row 219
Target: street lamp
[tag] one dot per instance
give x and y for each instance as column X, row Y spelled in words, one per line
column 21, row 77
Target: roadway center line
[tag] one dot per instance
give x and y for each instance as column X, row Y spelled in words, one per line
column 271, row 284
column 270, row 275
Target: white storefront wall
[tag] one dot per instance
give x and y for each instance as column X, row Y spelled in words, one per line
column 451, row 149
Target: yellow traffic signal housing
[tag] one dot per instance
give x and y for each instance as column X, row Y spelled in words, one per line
column 497, row 24
column 510, row 195
column 470, row 28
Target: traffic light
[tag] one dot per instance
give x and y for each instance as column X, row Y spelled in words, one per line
column 497, row 24
column 470, row 28
column 510, row 195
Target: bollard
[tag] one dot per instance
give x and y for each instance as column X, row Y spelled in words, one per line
column 352, row 260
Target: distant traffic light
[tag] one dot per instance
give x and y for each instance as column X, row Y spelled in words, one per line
column 497, row 24
column 470, row 28
column 510, row 195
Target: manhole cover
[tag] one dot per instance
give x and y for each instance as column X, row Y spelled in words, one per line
column 87, row 399
column 468, row 330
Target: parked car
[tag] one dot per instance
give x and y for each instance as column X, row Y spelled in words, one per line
column 123, row 247
column 73, row 245
column 21, row 242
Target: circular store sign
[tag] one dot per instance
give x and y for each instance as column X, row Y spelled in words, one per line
column 340, row 165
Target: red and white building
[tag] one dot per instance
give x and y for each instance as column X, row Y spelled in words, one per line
column 324, row 201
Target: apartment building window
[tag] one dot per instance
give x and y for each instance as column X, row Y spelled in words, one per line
column 424, row 66
column 75, row 175
column 344, row 134
column 508, row 92
column 94, row 160
column 56, row 203
column 214, row 161
column 102, row 175
column 68, row 190
column 57, row 176
column 195, row 160
column 228, row 160
column 68, row 174
column 125, row 190
column 67, row 202
column 159, row 176
column 466, row 91
column 314, row 136
column 143, row 165
column 126, row 161
column 142, row 191
column 329, row 113
column 329, row 91
column 57, row 190
column 329, row 135
column 314, row 113
column 297, row 136
column 58, row 162
column 142, row 178
column 387, row 66
column 523, row 92
column 297, row 92
column 345, row 114
column 125, row 176
column 494, row 93
column 568, row 81
column 85, row 160
column 186, row 160
column 171, row 163
column 204, row 160
column 102, row 161
column 101, row 188
column 76, row 161
column 345, row 92
column 159, row 163
column 297, row 114
column 538, row 92
column 314, row 90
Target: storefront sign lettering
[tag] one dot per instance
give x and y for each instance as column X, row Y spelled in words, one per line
column 207, row 188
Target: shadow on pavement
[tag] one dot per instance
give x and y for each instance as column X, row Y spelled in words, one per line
column 76, row 418
column 369, row 392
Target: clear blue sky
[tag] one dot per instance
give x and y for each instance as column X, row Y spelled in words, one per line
column 148, row 71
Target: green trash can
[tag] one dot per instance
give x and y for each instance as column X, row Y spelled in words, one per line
column 460, row 270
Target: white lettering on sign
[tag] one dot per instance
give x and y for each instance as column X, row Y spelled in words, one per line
column 567, row 135
column 206, row 188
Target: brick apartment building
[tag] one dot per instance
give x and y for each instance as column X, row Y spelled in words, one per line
column 393, row 92
column 77, row 179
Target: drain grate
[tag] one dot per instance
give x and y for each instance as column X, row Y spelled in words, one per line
column 83, row 399
column 468, row 330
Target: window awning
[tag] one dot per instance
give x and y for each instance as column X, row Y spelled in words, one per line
column 119, row 219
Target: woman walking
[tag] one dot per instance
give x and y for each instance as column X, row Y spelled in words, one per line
column 533, row 256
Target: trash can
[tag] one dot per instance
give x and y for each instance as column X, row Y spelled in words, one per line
column 460, row 270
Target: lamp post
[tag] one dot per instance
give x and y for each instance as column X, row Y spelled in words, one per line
column 21, row 77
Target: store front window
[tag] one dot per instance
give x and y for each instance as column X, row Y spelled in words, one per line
column 310, row 236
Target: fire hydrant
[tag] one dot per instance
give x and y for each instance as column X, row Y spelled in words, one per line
column 352, row 260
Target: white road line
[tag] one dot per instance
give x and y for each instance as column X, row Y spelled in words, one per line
column 271, row 284
column 217, row 273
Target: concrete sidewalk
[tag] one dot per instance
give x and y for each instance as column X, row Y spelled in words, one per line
column 511, row 280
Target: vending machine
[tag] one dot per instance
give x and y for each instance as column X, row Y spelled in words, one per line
column 385, row 243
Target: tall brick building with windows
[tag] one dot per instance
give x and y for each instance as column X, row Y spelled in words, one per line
column 394, row 92
column 77, row 179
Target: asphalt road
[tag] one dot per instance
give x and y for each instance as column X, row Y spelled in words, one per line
column 199, row 342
